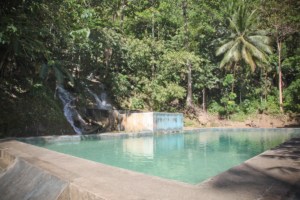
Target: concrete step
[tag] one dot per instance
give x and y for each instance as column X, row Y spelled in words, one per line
column 3, row 166
column 24, row 181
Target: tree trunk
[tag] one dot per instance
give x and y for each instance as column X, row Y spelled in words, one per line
column 262, row 85
column 241, row 96
column 204, row 100
column 153, row 35
column 189, row 91
column 185, row 19
column 153, row 20
column 234, row 71
column 78, row 67
column 279, row 45
column 5, row 55
column 107, row 58
column 123, row 5
column 186, row 45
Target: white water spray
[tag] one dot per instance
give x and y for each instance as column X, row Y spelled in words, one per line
column 69, row 110
column 101, row 102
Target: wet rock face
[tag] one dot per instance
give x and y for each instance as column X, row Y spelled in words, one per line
column 70, row 111
column 98, row 116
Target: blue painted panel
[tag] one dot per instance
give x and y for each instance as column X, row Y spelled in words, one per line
column 167, row 121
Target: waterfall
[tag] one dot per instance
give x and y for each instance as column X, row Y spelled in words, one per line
column 102, row 101
column 70, row 111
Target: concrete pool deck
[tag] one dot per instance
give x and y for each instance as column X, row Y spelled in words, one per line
column 30, row 172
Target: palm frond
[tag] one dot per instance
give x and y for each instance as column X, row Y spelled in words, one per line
column 62, row 74
column 234, row 26
column 224, row 48
column 44, row 71
column 261, row 32
column 230, row 55
column 255, row 51
column 248, row 58
column 260, row 38
column 249, row 20
column 245, row 43
column 236, row 56
column 59, row 75
column 242, row 18
column 262, row 42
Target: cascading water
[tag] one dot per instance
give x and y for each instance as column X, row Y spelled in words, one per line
column 69, row 110
column 102, row 101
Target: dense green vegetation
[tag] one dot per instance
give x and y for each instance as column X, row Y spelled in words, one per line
column 226, row 56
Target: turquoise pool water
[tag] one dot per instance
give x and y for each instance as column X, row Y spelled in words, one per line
column 186, row 157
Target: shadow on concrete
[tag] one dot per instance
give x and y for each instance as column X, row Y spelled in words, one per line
column 251, row 183
column 275, row 175
column 287, row 150
column 285, row 170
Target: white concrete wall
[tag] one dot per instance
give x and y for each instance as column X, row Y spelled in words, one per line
column 135, row 122
column 152, row 121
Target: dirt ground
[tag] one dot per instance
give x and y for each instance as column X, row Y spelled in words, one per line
column 257, row 121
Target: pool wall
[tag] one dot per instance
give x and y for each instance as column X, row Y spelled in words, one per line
column 120, row 135
column 153, row 121
column 30, row 172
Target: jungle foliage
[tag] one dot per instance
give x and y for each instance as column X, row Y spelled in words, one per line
column 222, row 56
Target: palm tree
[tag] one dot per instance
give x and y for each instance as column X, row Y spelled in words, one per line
column 245, row 42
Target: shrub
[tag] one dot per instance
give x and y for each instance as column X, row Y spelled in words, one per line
column 272, row 105
column 239, row 116
column 215, row 108
column 250, row 107
column 292, row 97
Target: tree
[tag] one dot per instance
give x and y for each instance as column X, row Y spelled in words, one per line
column 283, row 18
column 204, row 80
column 189, row 102
column 245, row 43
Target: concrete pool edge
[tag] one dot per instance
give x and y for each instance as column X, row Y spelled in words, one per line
column 110, row 135
column 256, row 178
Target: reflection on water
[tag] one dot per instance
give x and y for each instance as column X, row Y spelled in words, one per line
column 145, row 146
column 190, row 157
column 139, row 147
column 169, row 142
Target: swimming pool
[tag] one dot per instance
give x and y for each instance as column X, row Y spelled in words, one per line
column 190, row 157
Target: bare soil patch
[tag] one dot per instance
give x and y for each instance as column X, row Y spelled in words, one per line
column 255, row 121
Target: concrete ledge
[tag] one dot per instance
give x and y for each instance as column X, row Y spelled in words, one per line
column 32, row 172
column 110, row 135
column 274, row 174
column 23, row 180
